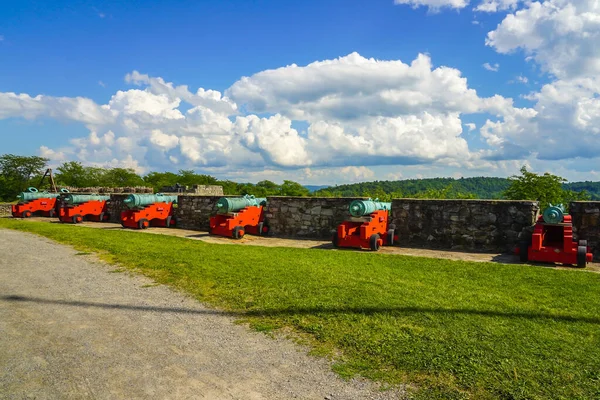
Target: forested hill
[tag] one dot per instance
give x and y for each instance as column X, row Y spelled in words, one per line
column 480, row 187
column 593, row 188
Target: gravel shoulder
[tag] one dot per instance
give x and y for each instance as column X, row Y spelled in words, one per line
column 71, row 327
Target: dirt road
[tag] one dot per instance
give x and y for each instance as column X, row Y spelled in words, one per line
column 69, row 328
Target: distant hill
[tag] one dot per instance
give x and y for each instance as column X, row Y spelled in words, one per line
column 481, row 187
column 313, row 188
column 593, row 188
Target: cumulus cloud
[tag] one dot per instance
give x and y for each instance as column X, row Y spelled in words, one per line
column 353, row 86
column 491, row 6
column 561, row 37
column 66, row 108
column 356, row 113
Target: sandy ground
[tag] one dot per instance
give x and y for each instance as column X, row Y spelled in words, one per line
column 71, row 329
column 320, row 244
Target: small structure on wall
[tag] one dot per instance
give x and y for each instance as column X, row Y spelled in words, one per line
column 110, row 190
column 200, row 190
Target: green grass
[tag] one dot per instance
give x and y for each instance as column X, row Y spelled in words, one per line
column 450, row 329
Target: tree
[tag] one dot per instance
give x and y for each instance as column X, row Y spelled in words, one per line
column 159, row 180
column 545, row 188
column 16, row 173
column 189, row 178
column 121, row 177
column 73, row 173
column 291, row 188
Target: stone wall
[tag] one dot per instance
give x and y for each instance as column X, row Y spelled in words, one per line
column 586, row 223
column 109, row 190
column 5, row 208
column 200, row 190
column 462, row 224
column 116, row 206
column 307, row 217
column 194, row 212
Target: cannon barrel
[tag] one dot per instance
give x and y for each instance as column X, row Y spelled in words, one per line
column 82, row 198
column 232, row 204
column 359, row 208
column 141, row 200
column 554, row 214
column 33, row 194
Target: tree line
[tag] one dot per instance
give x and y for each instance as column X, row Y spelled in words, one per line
column 19, row 172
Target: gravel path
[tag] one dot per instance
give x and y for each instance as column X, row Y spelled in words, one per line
column 69, row 328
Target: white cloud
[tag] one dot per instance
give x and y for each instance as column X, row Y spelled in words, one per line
column 352, row 87
column 145, row 105
column 55, row 155
column 163, row 141
column 76, row 108
column 210, row 99
column 522, row 79
column 491, row 67
column 491, row 6
column 353, row 174
column 561, row 36
column 357, row 114
column 101, row 84
column 434, row 5
column 274, row 138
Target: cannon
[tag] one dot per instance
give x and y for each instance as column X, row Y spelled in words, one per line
column 552, row 240
column 75, row 208
column 33, row 201
column 554, row 214
column 367, row 228
column 144, row 210
column 237, row 216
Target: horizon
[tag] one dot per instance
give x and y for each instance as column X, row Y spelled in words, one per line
column 320, row 93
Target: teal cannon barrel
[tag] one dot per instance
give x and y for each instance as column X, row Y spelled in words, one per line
column 82, row 198
column 359, row 208
column 554, row 214
column 33, row 194
column 142, row 200
column 232, row 204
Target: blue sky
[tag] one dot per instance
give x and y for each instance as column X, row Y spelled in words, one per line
column 84, row 50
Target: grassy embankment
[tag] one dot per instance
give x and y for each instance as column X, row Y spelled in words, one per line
column 453, row 329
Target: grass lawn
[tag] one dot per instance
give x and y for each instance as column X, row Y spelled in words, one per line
column 450, row 329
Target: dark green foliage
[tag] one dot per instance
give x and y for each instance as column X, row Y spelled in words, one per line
column 74, row 174
column 547, row 189
column 450, row 188
column 442, row 188
column 18, row 172
column 593, row 188
column 454, row 329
